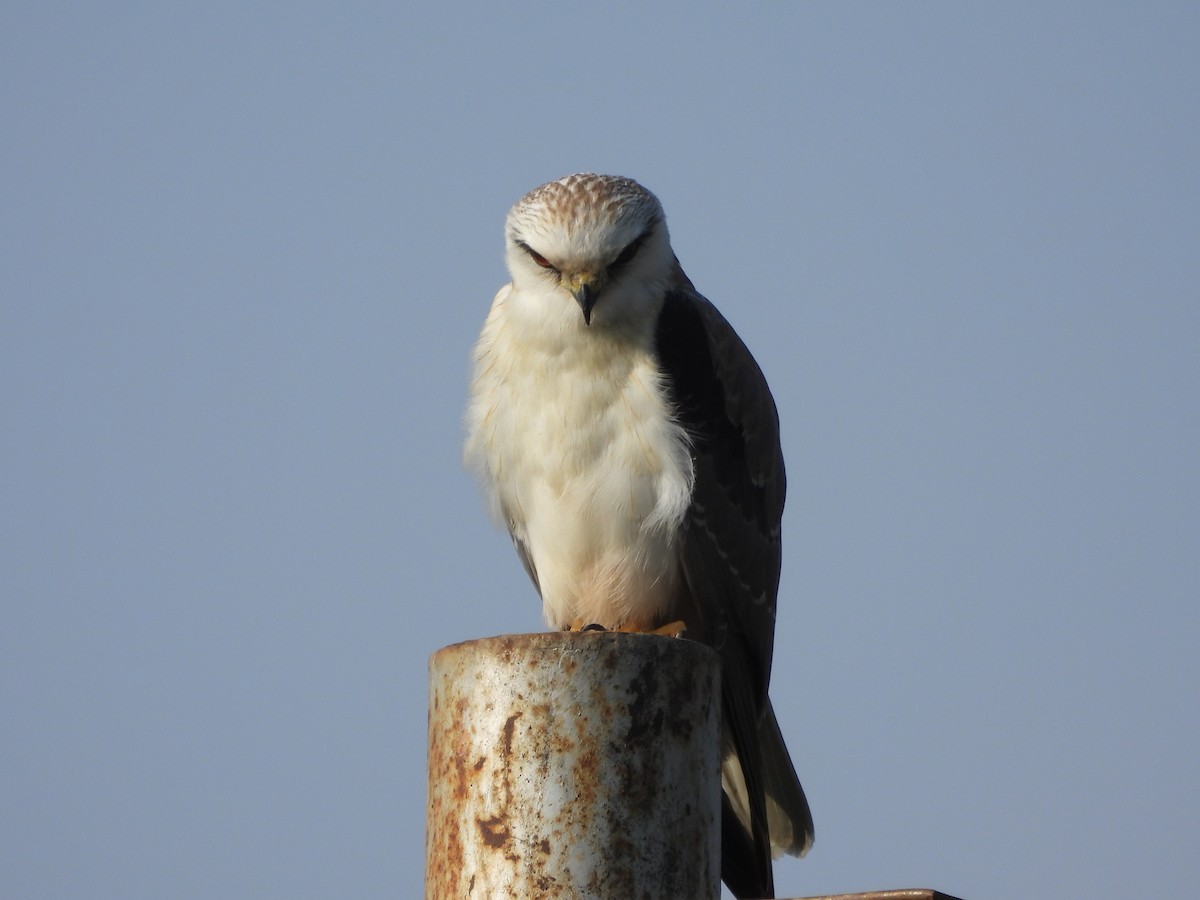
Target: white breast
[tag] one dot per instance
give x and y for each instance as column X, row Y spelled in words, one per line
column 571, row 434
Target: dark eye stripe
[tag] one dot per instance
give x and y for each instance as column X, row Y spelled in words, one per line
column 535, row 256
column 630, row 251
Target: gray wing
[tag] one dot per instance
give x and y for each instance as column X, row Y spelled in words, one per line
column 731, row 560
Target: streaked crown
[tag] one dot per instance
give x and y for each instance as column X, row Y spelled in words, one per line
column 583, row 215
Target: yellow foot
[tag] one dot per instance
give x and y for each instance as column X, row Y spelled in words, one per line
column 671, row 629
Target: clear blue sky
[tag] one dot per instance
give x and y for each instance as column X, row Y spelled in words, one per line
column 245, row 251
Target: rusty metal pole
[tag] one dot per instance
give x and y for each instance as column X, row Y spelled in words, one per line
column 574, row 765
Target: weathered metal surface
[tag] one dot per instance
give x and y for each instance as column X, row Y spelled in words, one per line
column 907, row 894
column 574, row 765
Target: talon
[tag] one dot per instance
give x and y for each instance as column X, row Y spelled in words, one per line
column 578, row 624
column 671, row 629
column 676, row 629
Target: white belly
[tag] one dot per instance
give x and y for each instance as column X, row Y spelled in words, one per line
column 589, row 471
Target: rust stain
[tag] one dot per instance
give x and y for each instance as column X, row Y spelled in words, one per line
column 494, row 831
column 539, row 749
column 509, row 725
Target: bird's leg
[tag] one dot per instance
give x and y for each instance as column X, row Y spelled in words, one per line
column 580, row 624
column 672, row 629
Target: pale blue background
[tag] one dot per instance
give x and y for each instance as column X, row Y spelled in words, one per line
column 245, row 250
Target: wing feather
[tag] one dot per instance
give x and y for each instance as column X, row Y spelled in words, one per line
column 730, row 556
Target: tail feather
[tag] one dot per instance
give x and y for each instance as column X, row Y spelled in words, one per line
column 788, row 817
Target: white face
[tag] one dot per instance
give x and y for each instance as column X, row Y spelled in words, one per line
column 598, row 239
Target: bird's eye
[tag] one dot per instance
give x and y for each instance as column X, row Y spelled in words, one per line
column 629, row 252
column 537, row 257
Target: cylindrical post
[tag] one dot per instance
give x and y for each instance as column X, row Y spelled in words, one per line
column 574, row 765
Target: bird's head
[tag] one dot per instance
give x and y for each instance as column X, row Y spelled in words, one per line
column 599, row 240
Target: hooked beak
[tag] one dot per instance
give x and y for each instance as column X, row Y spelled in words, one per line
column 585, row 288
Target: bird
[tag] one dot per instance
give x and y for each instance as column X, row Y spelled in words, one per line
column 627, row 439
